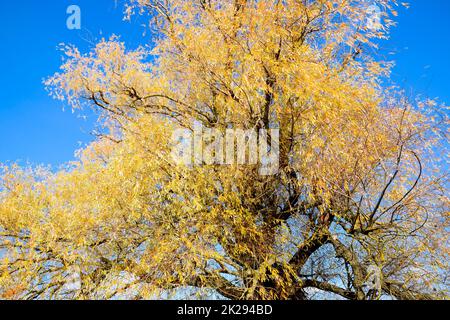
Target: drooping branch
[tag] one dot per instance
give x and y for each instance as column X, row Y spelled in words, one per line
column 328, row 287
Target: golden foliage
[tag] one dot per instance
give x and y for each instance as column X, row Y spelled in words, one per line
column 357, row 183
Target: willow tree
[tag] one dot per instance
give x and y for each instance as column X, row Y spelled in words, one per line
column 358, row 208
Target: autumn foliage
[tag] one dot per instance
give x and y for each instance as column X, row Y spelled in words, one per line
column 362, row 181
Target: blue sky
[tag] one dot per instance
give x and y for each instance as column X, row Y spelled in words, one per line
column 35, row 129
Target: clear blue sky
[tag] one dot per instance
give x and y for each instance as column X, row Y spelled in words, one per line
column 34, row 128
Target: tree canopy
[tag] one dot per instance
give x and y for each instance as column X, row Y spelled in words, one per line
column 357, row 210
